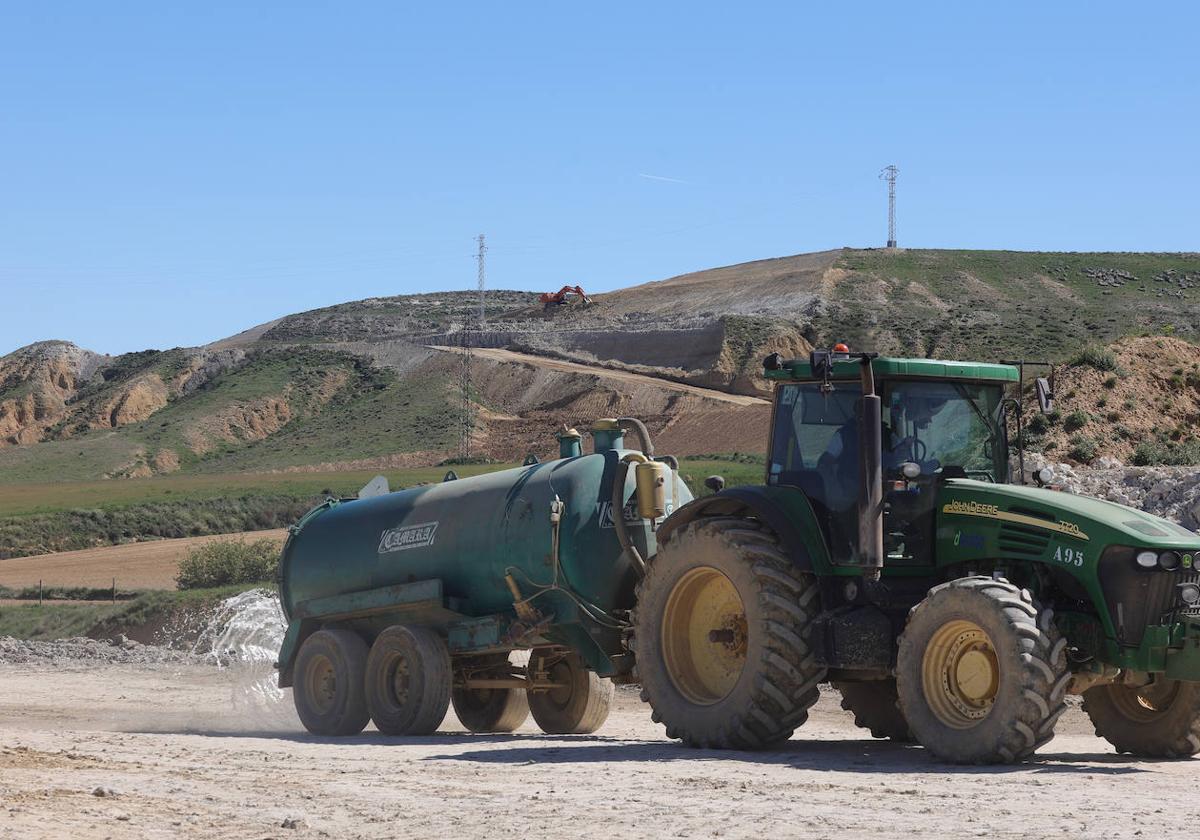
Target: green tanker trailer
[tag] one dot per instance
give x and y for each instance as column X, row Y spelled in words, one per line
column 400, row 603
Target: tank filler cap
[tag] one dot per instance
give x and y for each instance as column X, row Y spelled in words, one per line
column 564, row 432
column 606, row 424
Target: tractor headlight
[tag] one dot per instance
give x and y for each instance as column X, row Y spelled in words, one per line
column 1189, row 593
column 1147, row 559
column 1168, row 561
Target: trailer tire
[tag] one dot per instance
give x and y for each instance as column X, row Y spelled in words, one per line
column 580, row 707
column 328, row 691
column 491, row 709
column 981, row 672
column 1154, row 724
column 876, row 707
column 408, row 681
column 749, row 682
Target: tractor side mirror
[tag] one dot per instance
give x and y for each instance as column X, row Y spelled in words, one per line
column 715, row 483
column 1045, row 394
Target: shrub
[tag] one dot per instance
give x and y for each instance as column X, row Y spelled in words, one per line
column 1037, row 424
column 1095, row 356
column 1110, row 382
column 1151, row 453
column 1102, row 402
column 225, row 562
column 1076, row 420
column 1083, row 449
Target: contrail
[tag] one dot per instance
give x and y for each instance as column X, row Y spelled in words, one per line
column 661, row 178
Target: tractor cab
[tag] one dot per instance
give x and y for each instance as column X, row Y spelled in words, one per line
column 933, row 420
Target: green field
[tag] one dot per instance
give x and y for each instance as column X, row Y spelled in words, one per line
column 42, row 517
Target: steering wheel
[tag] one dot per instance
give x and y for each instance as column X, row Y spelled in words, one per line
column 919, row 449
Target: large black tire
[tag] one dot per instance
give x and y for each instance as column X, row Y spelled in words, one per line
column 328, row 687
column 982, row 672
column 876, row 707
column 490, row 709
column 580, row 707
column 408, row 681
column 1158, row 721
column 749, row 682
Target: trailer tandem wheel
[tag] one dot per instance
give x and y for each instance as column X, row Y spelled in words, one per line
column 582, row 703
column 408, row 681
column 491, row 709
column 328, row 689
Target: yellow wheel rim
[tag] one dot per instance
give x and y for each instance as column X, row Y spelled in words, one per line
column 704, row 636
column 1145, row 703
column 960, row 674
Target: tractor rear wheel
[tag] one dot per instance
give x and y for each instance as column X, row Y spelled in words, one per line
column 328, row 688
column 490, row 709
column 1159, row 720
column 408, row 681
column 981, row 672
column 721, row 636
column 582, row 703
column 876, row 706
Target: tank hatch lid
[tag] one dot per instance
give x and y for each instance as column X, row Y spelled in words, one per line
column 377, row 486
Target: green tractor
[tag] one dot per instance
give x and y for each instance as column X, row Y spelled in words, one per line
column 891, row 552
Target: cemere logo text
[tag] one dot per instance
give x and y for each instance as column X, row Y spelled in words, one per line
column 407, row 536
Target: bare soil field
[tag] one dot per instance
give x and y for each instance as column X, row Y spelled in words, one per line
column 94, row 749
column 142, row 565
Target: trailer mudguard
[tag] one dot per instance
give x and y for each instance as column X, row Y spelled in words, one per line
column 785, row 510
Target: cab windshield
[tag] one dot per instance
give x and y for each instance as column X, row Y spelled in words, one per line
column 941, row 425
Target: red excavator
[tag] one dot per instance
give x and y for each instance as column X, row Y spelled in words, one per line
column 560, row 297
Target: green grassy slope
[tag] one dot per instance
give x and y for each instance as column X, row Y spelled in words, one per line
column 1005, row 304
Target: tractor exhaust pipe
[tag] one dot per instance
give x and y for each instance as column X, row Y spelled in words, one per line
column 870, row 463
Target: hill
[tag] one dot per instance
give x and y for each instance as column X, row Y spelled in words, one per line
column 373, row 384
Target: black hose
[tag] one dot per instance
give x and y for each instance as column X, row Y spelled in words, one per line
column 642, row 433
column 618, row 515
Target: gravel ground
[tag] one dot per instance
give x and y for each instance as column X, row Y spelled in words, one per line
column 85, row 651
column 180, row 749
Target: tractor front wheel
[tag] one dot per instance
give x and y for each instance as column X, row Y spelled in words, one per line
column 981, row 672
column 1159, row 720
column 721, row 633
column 876, row 707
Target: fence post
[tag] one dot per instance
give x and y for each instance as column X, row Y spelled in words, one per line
column 114, row 590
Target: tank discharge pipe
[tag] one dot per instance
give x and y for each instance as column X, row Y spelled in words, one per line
column 643, row 434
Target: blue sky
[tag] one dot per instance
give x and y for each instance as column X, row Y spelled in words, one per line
column 172, row 173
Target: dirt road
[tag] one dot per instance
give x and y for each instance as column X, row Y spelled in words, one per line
column 500, row 355
column 186, row 750
column 142, row 565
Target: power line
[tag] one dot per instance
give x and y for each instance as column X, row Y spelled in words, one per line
column 889, row 174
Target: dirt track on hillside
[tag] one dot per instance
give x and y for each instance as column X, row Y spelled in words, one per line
column 606, row 373
column 184, row 753
column 142, row 565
